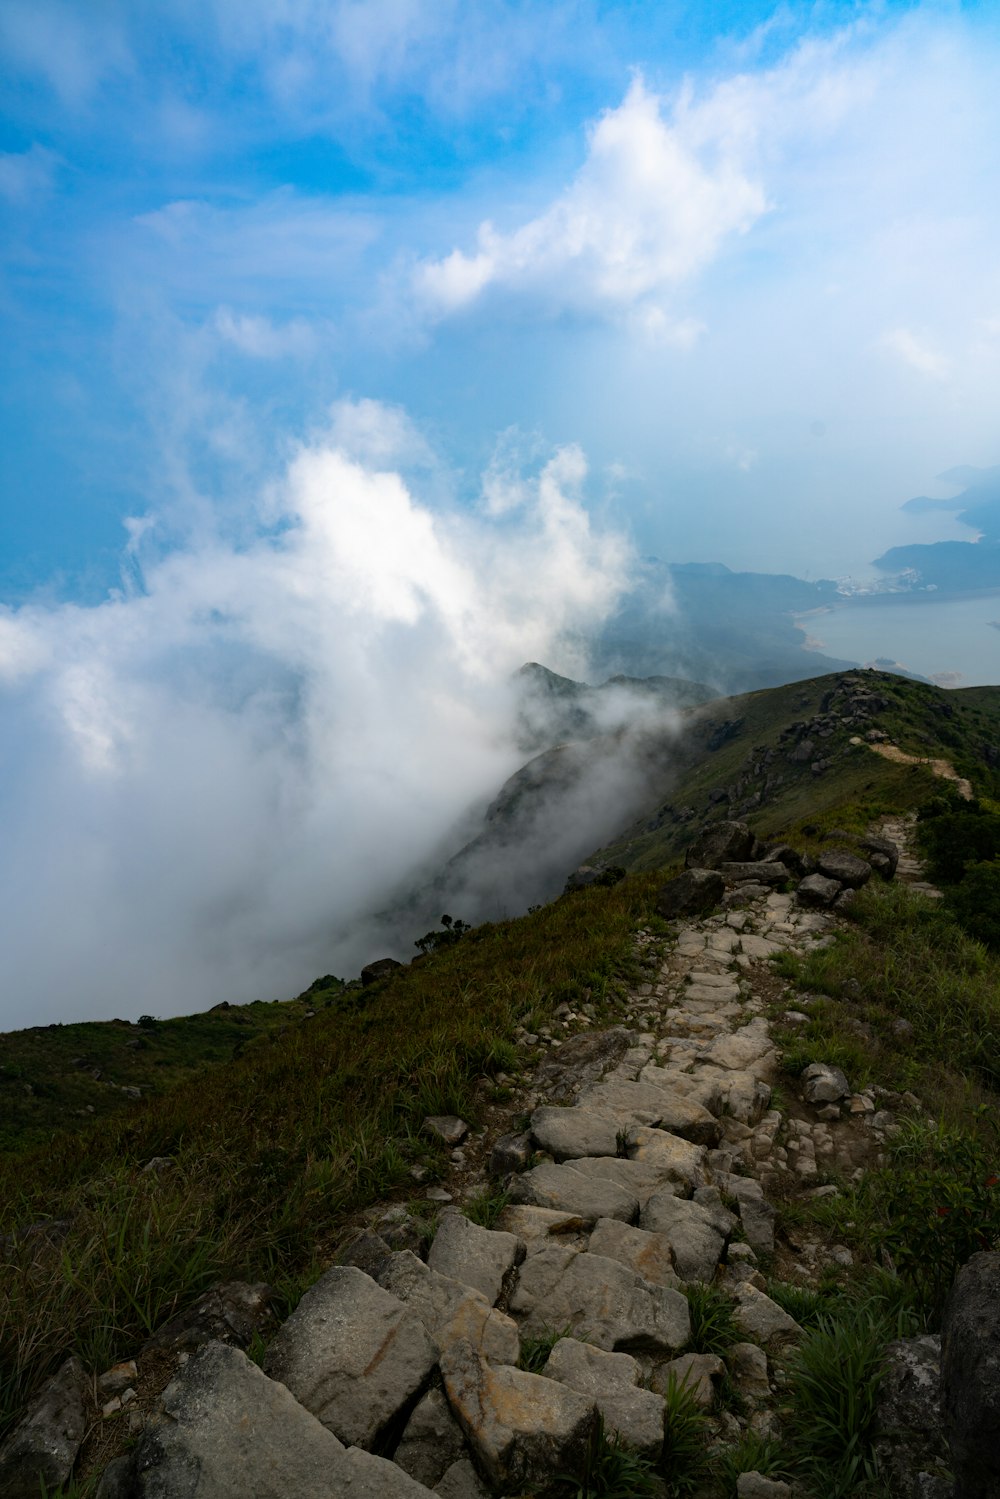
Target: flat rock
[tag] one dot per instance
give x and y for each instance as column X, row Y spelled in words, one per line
column 449, row 1309
column 352, row 1354
column 640, row 1178
column 759, row 873
column 748, row 1047
column 649, row 1255
column 227, row 1431
column 691, row 1229
column 522, row 1427
column 655, row 1101
column 600, row 1300
column 569, row 1190
column 44, row 1446
column 762, row 1319
column 669, row 1157
column 569, row 1133
column 538, row 1227
column 611, row 1380
column 479, row 1257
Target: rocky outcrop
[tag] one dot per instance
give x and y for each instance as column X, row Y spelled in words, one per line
column 43, row 1448
column 970, row 1370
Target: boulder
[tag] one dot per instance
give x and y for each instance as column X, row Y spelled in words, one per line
column 611, row 1380
column 690, row 894
column 569, row 1190
column 656, row 1100
column 692, row 1231
column 461, row 1482
column 352, row 1354
column 720, row 843
column 43, row 1448
column 747, row 1365
column 510, row 1153
column 883, row 855
column 757, row 1217
column 230, row 1313
column 910, row 1442
column 539, row 1227
column 970, row 1377
column 478, row 1257
column 227, row 1430
column 524, row 1429
column 817, row 890
column 757, row 873
column 763, row 1320
column 569, row 1133
column 650, row 1255
column 382, row 968
column 824, row 1084
column 600, row 1300
column 838, row 864
column 449, row 1309
column 447, row 1128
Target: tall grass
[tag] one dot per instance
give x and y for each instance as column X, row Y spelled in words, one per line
column 274, row 1151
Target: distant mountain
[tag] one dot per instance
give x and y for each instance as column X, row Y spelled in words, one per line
column 956, row 566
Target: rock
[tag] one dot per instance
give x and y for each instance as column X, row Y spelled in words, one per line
column 611, row 1380
column 650, row 1255
column 817, row 890
column 641, row 1178
column 116, row 1379
column 479, row 1257
column 537, row 1227
column 883, row 855
column 910, row 1442
column 970, row 1376
column 510, row 1153
column 762, row 1319
column 757, row 1217
column 43, row 1448
column 446, row 1127
column 747, row 1364
column 699, row 1373
column 431, row 1442
column 720, row 843
column 462, row 1482
column 569, row 1133
column 758, row 873
column 655, row 1101
column 226, row 1430
column 569, row 1190
column 690, row 894
column 450, row 1310
column 599, row 1300
column 230, row 1313
column 352, row 1354
column 824, row 1084
column 382, row 968
column 368, row 1252
column 691, row 1229
column 523, row 1428
column 848, row 869
column 581, row 1060
column 756, row 1486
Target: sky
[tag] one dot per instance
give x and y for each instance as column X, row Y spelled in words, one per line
column 352, row 349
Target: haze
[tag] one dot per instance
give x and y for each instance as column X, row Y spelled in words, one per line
column 352, row 350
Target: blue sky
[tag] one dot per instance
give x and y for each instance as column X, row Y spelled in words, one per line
column 353, row 351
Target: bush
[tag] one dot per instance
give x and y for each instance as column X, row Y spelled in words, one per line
column 976, row 902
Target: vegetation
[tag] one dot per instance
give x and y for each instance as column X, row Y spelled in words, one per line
column 268, row 1156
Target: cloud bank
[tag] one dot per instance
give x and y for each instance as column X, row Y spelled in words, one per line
column 209, row 777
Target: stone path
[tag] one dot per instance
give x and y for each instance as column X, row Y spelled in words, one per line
column 903, row 832
column 942, row 768
column 652, row 1163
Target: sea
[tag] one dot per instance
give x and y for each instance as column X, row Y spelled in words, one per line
column 952, row 641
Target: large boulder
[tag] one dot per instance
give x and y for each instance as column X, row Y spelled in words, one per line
column 817, row 890
column 527, row 1432
column 225, row 1430
column 601, row 1300
column 611, row 1380
column 382, row 968
column 970, row 1377
column 910, row 1443
column 43, row 1449
column 690, row 894
column 352, row 1354
column 838, row 864
column 720, row 843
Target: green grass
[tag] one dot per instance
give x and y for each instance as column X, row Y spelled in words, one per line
column 685, row 1459
column 275, row 1150
column 613, row 1471
column 713, row 1329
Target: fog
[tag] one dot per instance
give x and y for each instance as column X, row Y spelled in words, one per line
column 210, row 777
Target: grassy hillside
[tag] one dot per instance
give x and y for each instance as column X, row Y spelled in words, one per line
column 745, row 757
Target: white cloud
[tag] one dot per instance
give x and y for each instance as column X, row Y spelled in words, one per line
column 74, row 48
column 260, row 338
column 211, row 780
column 658, row 195
column 917, row 353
